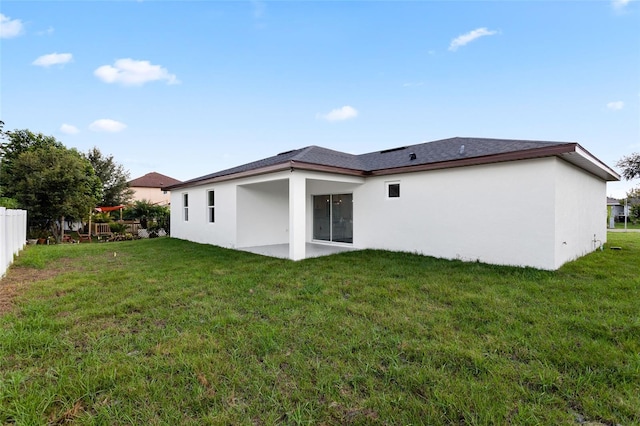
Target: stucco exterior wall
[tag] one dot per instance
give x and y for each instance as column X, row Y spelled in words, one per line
column 263, row 213
column 540, row 213
column 247, row 212
column 500, row 213
column 154, row 195
column 222, row 232
column 581, row 213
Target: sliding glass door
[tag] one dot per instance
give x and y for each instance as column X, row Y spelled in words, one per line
column 333, row 218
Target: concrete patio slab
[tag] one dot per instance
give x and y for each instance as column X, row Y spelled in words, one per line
column 282, row 250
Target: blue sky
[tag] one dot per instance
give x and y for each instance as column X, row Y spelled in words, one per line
column 188, row 88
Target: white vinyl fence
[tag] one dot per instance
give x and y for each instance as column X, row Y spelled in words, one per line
column 13, row 235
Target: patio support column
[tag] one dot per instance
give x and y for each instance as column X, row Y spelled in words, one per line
column 297, row 215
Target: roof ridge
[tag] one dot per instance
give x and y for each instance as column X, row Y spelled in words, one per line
column 153, row 180
column 302, row 151
column 499, row 140
column 316, row 148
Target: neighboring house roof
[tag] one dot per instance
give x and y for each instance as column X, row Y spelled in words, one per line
column 613, row 201
column 445, row 153
column 153, row 180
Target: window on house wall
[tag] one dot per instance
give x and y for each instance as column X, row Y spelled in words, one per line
column 393, row 189
column 211, row 206
column 185, row 207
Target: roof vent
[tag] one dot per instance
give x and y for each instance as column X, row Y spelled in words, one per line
column 461, row 150
column 412, row 156
column 393, row 149
column 286, row 152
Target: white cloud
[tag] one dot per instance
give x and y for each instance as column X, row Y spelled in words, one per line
column 53, row 59
column 464, row 39
column 259, row 9
column 339, row 114
column 69, row 129
column 615, row 106
column 107, row 125
column 10, row 27
column 129, row 72
column 49, row 31
column 620, row 4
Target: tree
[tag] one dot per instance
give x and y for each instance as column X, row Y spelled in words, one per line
column 20, row 141
column 633, row 195
column 10, row 203
column 145, row 211
column 4, row 201
column 114, row 178
column 630, row 166
column 633, row 202
column 54, row 183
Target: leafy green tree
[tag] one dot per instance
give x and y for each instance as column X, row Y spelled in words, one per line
column 162, row 219
column 54, row 183
column 140, row 210
column 630, row 166
column 18, row 142
column 114, row 178
column 145, row 211
column 632, row 195
column 10, row 203
column 633, row 201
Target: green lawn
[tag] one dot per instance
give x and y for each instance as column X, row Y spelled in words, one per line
column 620, row 225
column 168, row 332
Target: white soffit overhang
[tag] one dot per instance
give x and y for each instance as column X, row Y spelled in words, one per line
column 583, row 159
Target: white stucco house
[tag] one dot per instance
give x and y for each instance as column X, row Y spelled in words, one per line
column 443, row 198
column 150, row 188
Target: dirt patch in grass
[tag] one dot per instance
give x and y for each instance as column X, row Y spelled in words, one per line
column 19, row 277
column 69, row 415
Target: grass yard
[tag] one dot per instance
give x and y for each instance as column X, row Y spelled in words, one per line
column 164, row 331
column 620, row 225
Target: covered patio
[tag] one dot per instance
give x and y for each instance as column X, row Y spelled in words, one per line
column 279, row 215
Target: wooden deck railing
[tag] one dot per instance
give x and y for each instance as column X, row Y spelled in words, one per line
column 100, row 229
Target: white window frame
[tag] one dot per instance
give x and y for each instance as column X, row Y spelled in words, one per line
column 386, row 189
column 185, row 206
column 211, row 207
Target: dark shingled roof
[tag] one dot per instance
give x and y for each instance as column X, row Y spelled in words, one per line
column 310, row 154
column 153, row 180
column 428, row 153
column 613, row 201
column 447, row 150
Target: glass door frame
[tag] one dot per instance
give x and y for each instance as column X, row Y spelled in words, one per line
column 348, row 223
